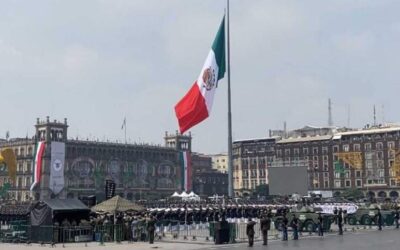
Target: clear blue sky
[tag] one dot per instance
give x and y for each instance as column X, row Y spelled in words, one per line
column 96, row 62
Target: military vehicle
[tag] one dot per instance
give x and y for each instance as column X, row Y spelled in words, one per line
column 367, row 215
column 308, row 217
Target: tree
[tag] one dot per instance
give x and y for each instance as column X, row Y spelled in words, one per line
column 262, row 190
column 353, row 193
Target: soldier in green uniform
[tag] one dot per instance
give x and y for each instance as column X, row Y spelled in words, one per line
column 250, row 232
column 265, row 225
column 151, row 227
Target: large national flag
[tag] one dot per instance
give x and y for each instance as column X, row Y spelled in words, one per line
column 196, row 105
column 37, row 171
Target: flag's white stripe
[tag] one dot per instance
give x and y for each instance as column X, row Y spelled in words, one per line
column 35, row 175
column 185, row 171
column 208, row 94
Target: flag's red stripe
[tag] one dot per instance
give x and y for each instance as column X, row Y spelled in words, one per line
column 39, row 162
column 191, row 109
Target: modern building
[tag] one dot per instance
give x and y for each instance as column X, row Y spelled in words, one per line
column 220, row 162
column 337, row 158
column 209, row 183
column 250, row 161
column 206, row 180
column 138, row 170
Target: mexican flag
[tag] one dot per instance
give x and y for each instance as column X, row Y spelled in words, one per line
column 196, row 105
column 37, row 171
column 186, row 170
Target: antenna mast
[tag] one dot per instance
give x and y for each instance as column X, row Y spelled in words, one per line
column 330, row 121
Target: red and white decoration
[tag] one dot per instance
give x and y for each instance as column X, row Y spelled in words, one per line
column 37, row 172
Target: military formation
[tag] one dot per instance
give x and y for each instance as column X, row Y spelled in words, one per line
column 284, row 217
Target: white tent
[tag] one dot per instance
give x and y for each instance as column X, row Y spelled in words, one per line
column 192, row 194
column 175, row 195
column 184, row 194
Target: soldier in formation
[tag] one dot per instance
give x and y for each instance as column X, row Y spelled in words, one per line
column 265, row 225
column 151, row 227
column 250, row 231
column 295, row 227
column 340, row 221
column 285, row 222
column 379, row 219
column 320, row 225
column 396, row 217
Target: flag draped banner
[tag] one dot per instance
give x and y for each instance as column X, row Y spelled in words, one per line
column 37, row 172
column 196, row 105
column 57, row 166
column 339, row 168
column 186, row 170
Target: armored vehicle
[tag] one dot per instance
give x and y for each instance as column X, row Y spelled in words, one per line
column 366, row 215
column 308, row 217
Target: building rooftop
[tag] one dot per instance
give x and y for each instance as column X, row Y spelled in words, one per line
column 373, row 130
column 267, row 139
column 304, row 139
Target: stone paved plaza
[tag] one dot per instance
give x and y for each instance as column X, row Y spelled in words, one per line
column 364, row 240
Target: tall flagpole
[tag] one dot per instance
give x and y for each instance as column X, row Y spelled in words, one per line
column 230, row 161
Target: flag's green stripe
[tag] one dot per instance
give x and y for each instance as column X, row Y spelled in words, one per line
column 218, row 47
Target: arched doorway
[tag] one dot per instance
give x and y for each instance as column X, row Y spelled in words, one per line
column 70, row 195
column 371, row 194
column 394, row 194
column 382, row 194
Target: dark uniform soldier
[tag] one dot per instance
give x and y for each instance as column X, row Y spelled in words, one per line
column 379, row 220
column 285, row 222
column 320, row 225
column 250, row 232
column 397, row 217
column 265, row 225
column 340, row 221
column 335, row 213
column 151, row 227
column 295, row 227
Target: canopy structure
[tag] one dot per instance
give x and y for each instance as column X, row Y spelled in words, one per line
column 184, row 194
column 175, row 195
column 117, row 204
column 192, row 194
column 47, row 213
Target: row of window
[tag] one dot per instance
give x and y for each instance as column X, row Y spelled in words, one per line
column 252, row 184
column 21, row 182
column 345, row 148
column 254, row 173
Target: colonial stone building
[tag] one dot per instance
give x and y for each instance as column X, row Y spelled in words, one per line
column 138, row 170
column 337, row 158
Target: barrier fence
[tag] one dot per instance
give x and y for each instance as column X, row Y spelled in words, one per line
column 20, row 231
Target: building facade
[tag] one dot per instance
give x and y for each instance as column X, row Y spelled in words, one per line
column 206, row 180
column 137, row 169
column 250, row 161
column 336, row 159
column 220, row 162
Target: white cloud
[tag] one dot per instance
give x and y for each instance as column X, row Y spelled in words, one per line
column 10, row 57
column 97, row 61
column 354, row 43
column 78, row 58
